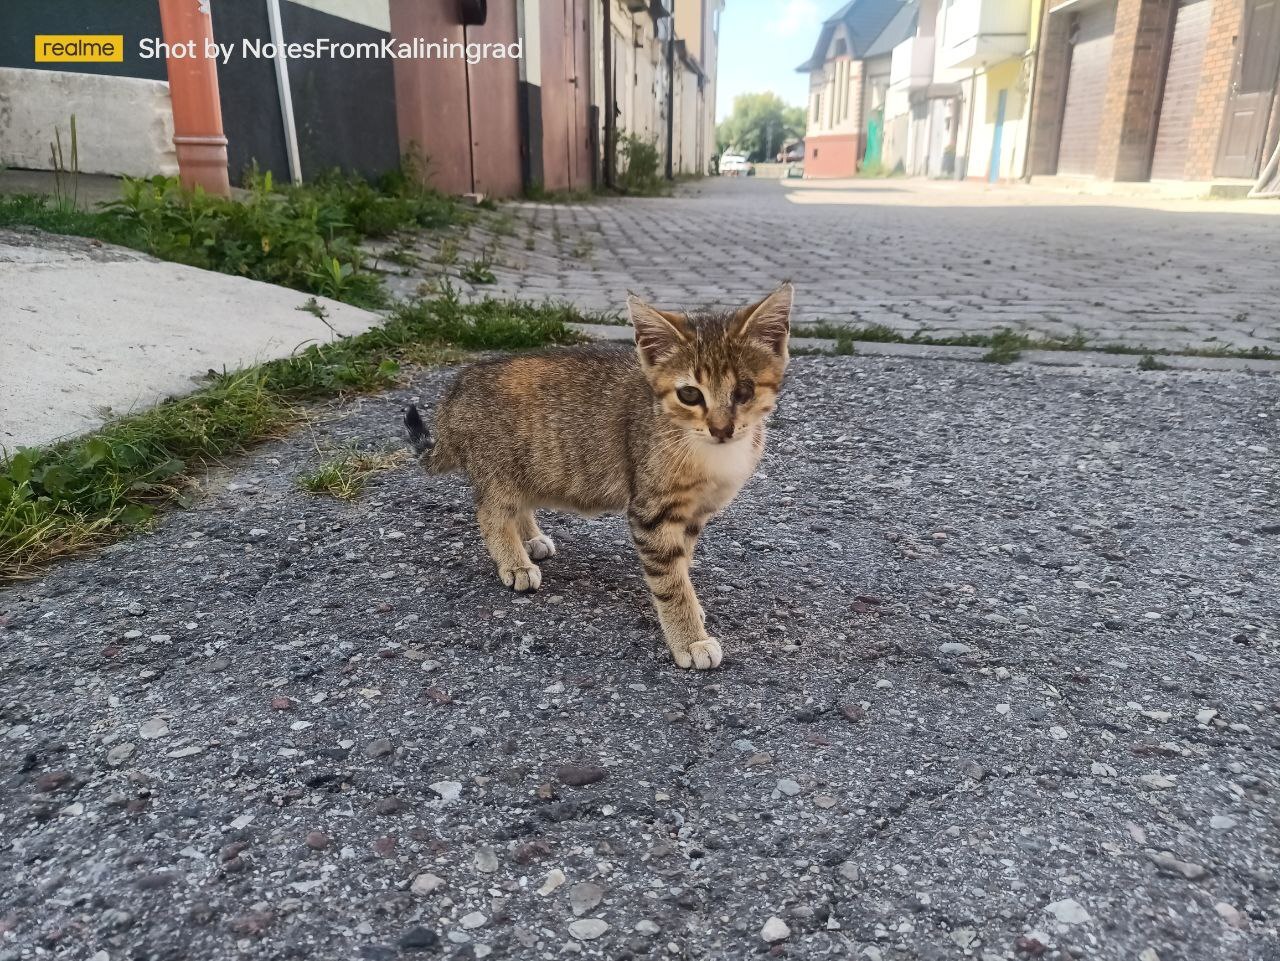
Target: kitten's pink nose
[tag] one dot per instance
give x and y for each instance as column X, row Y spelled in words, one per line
column 721, row 433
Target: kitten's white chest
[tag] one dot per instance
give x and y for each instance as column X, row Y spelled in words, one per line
column 727, row 467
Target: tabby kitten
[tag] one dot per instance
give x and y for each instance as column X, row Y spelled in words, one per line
column 667, row 433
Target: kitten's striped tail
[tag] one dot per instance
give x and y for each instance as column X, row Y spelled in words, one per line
column 416, row 431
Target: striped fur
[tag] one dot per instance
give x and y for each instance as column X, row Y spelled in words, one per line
column 605, row 428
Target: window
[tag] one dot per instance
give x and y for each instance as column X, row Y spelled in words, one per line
column 844, row 91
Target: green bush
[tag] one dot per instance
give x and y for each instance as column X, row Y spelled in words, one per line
column 306, row 236
column 638, row 166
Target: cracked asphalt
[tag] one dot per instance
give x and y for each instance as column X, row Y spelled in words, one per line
column 1001, row 682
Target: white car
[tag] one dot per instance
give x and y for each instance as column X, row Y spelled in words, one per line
column 735, row 165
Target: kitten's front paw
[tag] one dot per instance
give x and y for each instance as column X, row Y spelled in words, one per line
column 540, row 547
column 700, row 655
column 521, row 579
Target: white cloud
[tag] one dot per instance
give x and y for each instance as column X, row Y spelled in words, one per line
column 796, row 16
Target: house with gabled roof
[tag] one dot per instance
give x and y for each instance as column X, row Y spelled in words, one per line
column 836, row 132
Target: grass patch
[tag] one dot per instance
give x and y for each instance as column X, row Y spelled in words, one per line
column 85, row 492
column 1148, row 362
column 59, row 499
column 503, row 225
column 844, row 344
column 639, row 171
column 1006, row 347
column 344, row 477
column 447, row 253
column 1005, row 344
column 479, row 271
column 306, row 237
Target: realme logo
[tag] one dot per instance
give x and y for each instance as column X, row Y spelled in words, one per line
column 79, row 49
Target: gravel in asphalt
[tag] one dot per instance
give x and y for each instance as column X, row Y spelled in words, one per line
column 1000, row 682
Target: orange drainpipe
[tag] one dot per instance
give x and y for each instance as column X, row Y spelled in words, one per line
column 193, row 87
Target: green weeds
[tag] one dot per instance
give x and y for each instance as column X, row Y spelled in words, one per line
column 306, row 237
column 59, row 499
column 1006, row 345
column 85, row 492
column 344, row 477
column 479, row 271
column 639, row 163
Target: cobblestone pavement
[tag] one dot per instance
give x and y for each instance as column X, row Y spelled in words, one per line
column 940, row 259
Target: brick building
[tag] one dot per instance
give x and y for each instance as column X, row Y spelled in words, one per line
column 1136, row 90
column 836, row 133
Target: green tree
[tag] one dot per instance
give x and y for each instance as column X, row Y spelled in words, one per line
column 759, row 125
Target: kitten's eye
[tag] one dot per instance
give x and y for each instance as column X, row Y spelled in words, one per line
column 744, row 392
column 689, row 396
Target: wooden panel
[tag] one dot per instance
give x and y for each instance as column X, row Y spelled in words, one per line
column 431, row 95
column 495, row 110
column 581, row 156
column 557, row 100
column 1086, row 91
column 1182, row 83
column 1252, row 88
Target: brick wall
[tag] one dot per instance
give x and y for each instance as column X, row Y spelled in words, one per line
column 1139, row 56
column 1215, row 81
column 832, row 155
column 1052, row 64
column 1135, row 88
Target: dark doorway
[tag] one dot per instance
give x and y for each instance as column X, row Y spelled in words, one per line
column 1253, row 84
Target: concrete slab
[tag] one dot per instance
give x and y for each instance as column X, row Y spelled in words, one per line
column 91, row 189
column 89, row 332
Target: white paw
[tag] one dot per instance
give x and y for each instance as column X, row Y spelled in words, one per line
column 540, row 547
column 701, row 655
column 521, row 579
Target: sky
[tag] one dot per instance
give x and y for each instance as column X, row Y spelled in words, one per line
column 761, row 44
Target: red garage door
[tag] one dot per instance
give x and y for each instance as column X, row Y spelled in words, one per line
column 1086, row 89
column 464, row 116
column 1190, row 32
column 566, row 68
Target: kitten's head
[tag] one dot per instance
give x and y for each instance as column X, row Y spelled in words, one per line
column 716, row 374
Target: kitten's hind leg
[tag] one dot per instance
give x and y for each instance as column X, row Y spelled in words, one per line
column 500, row 527
column 538, row 544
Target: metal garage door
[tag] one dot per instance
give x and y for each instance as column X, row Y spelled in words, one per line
column 1190, row 32
column 1086, row 89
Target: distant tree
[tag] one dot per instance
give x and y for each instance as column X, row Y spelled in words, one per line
column 759, row 125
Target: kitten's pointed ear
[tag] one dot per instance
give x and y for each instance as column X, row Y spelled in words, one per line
column 769, row 321
column 658, row 332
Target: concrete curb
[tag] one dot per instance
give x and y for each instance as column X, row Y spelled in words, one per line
column 1047, row 358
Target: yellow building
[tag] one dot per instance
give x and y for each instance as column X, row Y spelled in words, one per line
column 999, row 91
column 959, row 94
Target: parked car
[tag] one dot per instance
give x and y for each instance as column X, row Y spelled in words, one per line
column 735, row 165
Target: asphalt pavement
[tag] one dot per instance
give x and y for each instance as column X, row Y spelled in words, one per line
column 1000, row 682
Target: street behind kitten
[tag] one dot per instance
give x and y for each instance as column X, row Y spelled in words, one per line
column 667, row 432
